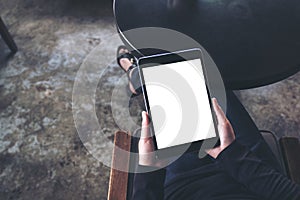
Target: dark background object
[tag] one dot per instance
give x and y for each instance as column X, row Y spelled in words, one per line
column 7, row 37
column 253, row 43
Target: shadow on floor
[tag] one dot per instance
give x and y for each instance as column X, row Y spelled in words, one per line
column 5, row 53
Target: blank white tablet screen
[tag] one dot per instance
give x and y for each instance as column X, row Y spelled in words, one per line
column 179, row 103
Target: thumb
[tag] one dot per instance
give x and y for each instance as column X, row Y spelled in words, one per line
column 145, row 132
column 213, row 152
column 145, row 144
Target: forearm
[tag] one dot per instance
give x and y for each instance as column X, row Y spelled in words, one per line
column 149, row 185
column 256, row 175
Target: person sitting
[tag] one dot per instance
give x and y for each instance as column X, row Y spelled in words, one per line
column 241, row 166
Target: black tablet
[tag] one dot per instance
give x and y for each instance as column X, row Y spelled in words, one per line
column 178, row 102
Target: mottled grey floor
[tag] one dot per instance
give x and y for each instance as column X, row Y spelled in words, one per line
column 275, row 107
column 41, row 154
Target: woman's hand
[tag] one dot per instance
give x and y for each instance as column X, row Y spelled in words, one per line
column 146, row 145
column 147, row 155
column 225, row 129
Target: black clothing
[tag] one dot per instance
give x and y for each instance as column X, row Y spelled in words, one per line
column 237, row 173
column 247, row 169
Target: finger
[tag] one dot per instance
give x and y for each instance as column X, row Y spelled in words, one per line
column 213, row 152
column 145, row 119
column 219, row 112
column 145, row 132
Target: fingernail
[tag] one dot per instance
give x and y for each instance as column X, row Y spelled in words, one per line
column 143, row 115
column 216, row 101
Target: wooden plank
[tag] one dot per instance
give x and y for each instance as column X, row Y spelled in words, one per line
column 290, row 149
column 119, row 179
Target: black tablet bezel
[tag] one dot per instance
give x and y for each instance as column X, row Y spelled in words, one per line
column 166, row 58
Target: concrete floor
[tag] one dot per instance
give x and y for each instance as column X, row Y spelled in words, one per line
column 41, row 154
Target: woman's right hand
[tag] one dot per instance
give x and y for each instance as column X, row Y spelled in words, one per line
column 225, row 129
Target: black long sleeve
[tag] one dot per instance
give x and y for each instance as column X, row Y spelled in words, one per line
column 149, row 185
column 237, row 173
column 247, row 169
